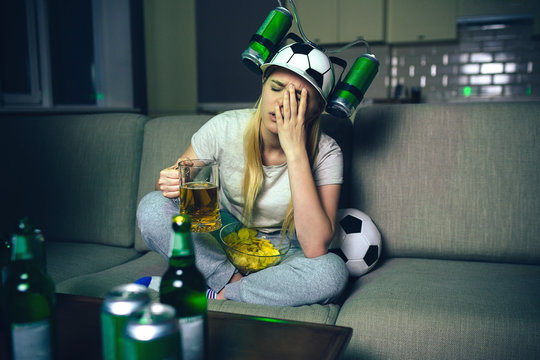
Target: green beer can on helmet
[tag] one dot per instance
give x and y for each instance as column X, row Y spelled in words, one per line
column 269, row 35
column 348, row 93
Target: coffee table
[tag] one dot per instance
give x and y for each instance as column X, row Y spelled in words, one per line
column 231, row 336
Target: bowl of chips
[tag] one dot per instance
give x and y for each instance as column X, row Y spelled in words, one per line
column 250, row 251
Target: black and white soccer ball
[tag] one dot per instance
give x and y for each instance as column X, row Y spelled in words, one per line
column 357, row 241
column 309, row 62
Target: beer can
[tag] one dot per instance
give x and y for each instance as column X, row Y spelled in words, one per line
column 152, row 333
column 265, row 40
column 120, row 302
column 349, row 92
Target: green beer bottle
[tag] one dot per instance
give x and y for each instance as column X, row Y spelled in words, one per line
column 24, row 226
column 184, row 288
column 5, row 258
column 29, row 303
column 39, row 249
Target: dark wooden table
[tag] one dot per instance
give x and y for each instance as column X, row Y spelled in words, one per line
column 231, row 336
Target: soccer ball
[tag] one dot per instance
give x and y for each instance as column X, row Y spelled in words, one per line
column 357, row 241
column 309, row 62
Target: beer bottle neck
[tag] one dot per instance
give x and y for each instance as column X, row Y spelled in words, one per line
column 22, row 248
column 182, row 246
column 24, row 226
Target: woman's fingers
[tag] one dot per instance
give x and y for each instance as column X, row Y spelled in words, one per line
column 293, row 103
column 286, row 106
column 302, row 107
column 182, row 161
column 169, row 173
column 294, row 109
column 279, row 116
column 169, row 182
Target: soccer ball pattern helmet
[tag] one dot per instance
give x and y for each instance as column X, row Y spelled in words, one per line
column 309, row 62
column 357, row 241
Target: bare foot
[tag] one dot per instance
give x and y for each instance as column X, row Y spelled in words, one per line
column 236, row 277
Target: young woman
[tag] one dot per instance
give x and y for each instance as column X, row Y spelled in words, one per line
column 278, row 173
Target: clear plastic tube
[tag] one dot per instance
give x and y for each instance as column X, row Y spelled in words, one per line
column 303, row 35
column 297, row 20
column 356, row 42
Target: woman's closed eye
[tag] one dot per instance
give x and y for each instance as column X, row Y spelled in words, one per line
column 278, row 89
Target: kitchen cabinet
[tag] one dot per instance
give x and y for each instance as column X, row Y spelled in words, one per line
column 421, row 20
column 318, row 19
column 341, row 21
column 469, row 8
column 360, row 18
column 400, row 21
column 496, row 8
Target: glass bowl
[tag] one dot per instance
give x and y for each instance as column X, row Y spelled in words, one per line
column 249, row 251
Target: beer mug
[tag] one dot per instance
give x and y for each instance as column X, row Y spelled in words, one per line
column 199, row 193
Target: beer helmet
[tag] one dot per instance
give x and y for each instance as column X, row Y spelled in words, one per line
column 310, row 61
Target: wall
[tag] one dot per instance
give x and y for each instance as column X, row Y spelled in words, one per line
column 499, row 61
column 224, row 29
column 483, row 64
column 171, row 56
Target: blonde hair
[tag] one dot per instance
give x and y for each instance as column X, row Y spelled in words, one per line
column 253, row 171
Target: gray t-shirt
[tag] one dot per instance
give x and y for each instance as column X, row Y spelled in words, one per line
column 221, row 139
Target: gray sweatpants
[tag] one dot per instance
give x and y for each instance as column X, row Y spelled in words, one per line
column 295, row 281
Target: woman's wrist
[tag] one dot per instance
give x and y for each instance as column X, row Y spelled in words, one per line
column 298, row 155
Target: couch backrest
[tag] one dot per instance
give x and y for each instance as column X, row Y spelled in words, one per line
column 166, row 138
column 458, row 181
column 75, row 176
column 341, row 130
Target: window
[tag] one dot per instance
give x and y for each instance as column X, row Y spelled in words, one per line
column 71, row 54
column 19, row 76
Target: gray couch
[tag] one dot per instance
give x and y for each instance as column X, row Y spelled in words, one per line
column 454, row 190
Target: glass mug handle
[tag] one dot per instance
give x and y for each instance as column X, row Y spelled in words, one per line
column 199, row 193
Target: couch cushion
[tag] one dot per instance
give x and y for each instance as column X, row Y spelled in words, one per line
column 321, row 314
column 152, row 264
column 457, row 181
column 341, row 130
column 438, row 309
column 76, row 176
column 67, row 260
column 99, row 283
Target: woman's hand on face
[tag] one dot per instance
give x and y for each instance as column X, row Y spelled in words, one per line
column 290, row 123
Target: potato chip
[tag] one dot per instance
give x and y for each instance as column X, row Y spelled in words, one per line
column 245, row 241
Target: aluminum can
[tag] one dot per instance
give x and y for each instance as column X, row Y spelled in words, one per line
column 267, row 38
column 349, row 92
column 152, row 333
column 120, row 303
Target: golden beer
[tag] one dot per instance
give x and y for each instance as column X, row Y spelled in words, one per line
column 200, row 201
